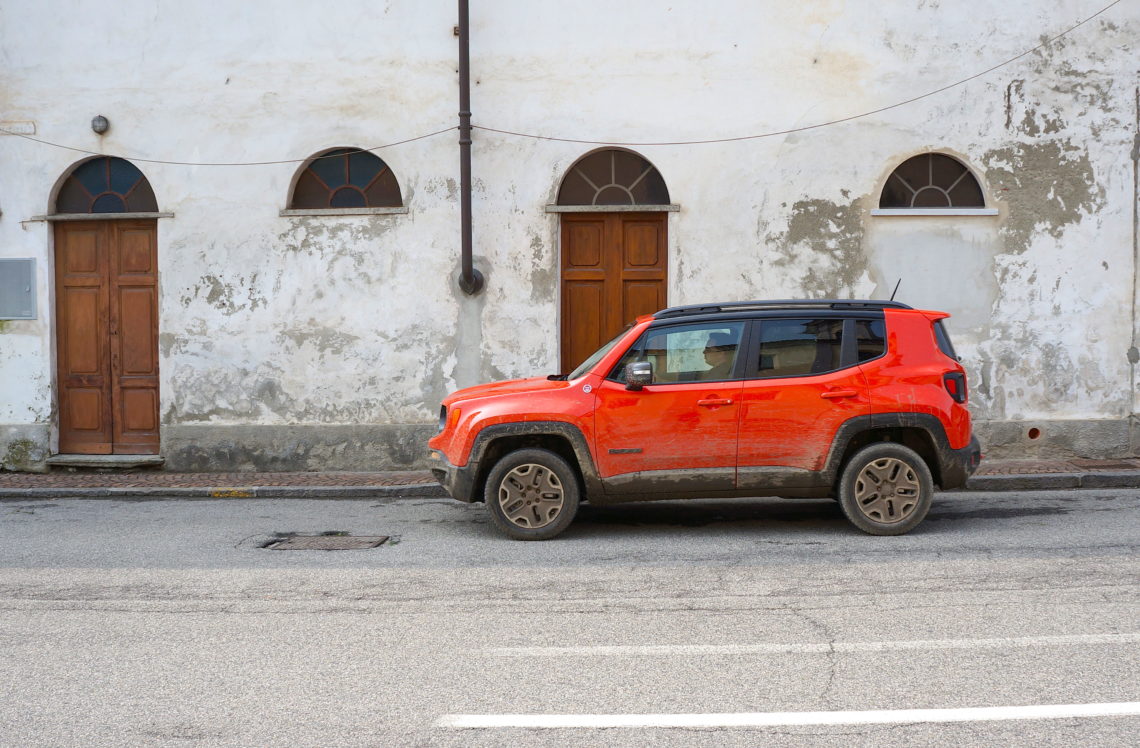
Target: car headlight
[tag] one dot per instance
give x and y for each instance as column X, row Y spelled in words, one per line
column 442, row 417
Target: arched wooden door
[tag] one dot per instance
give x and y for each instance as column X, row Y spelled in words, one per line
column 615, row 258
column 106, row 311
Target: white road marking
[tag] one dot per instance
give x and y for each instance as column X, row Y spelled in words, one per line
column 784, row 719
column 705, row 650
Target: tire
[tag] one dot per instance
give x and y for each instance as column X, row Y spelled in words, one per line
column 885, row 489
column 532, row 494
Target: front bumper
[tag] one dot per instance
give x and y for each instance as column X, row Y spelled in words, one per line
column 457, row 481
column 959, row 464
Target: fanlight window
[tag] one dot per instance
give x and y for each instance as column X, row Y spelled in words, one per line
column 346, row 178
column 106, row 185
column 613, row 177
column 932, row 180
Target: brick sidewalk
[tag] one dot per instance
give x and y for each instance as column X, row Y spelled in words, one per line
column 160, row 479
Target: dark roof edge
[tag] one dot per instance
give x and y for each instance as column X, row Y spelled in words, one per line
column 740, row 306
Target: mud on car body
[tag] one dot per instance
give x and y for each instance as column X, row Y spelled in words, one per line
column 863, row 401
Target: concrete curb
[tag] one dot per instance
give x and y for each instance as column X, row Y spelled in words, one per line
column 416, row 490
column 1051, row 481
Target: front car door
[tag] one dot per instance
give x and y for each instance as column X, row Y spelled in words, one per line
column 678, row 434
column 803, row 383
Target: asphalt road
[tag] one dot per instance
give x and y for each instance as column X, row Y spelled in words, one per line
column 1014, row 617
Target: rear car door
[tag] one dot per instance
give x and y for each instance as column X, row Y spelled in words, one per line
column 679, row 432
column 803, row 383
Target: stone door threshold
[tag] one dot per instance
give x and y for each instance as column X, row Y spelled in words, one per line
column 124, row 462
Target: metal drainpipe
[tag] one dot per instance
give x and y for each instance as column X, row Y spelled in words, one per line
column 470, row 279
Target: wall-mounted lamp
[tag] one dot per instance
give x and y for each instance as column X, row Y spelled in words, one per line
column 100, row 124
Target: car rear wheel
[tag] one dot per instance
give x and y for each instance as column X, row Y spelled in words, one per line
column 885, row 489
column 532, row 494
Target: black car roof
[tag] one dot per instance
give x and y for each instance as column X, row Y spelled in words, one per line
column 694, row 310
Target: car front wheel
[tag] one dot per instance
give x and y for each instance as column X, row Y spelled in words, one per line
column 885, row 489
column 532, row 494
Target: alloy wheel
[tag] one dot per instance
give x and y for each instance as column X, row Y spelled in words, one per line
column 531, row 496
column 887, row 490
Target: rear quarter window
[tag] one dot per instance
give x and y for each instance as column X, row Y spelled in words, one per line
column 870, row 338
column 943, row 339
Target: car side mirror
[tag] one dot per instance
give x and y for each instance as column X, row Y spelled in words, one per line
column 638, row 374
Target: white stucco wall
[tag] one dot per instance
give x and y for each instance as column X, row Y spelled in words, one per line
column 269, row 321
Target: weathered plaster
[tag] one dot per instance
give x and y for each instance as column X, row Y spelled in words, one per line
column 1046, row 186
column 24, row 448
column 316, row 326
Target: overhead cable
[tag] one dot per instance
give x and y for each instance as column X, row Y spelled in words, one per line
column 227, row 163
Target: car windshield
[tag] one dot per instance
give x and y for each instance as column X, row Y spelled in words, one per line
column 597, row 356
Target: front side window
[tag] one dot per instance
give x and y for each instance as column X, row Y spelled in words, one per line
column 800, row 347
column 688, row 353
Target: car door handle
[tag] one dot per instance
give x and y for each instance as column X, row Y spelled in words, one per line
column 713, row 402
column 831, row 395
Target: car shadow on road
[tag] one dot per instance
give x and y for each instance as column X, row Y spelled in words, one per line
column 818, row 513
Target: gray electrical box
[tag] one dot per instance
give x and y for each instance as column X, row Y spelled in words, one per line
column 17, row 288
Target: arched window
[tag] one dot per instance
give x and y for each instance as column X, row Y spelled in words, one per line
column 106, row 185
column 346, row 178
column 613, row 177
column 932, row 180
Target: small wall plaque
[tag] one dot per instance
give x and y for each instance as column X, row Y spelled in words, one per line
column 17, row 288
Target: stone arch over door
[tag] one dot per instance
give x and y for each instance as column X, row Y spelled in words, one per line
column 106, row 309
column 614, row 207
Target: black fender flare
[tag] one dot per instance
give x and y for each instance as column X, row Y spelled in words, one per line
column 591, row 483
column 948, row 463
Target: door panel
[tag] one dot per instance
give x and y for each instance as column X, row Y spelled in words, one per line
column 84, row 366
column 662, row 439
column 134, row 337
column 678, row 434
column 622, row 258
column 107, row 330
column 789, row 422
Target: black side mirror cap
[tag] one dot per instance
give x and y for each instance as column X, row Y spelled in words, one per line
column 638, row 375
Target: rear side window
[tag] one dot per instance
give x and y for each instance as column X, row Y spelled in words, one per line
column 870, row 338
column 943, row 339
column 800, row 347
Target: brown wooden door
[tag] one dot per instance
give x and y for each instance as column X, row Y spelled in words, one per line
column 107, row 336
column 614, row 268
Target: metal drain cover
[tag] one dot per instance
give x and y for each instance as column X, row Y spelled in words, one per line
column 326, row 542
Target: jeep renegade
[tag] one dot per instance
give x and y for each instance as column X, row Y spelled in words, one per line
column 862, row 401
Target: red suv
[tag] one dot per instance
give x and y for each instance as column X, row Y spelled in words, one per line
column 863, row 401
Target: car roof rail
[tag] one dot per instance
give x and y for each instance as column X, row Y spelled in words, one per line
column 760, row 305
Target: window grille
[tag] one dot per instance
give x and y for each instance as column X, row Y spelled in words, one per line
column 106, row 185
column 932, row 180
column 613, row 177
column 346, row 178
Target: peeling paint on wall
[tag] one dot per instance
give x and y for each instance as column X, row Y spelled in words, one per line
column 1047, row 186
column 823, row 243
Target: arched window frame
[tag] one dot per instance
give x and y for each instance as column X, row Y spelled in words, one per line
column 290, row 211
column 556, row 207
column 54, row 215
column 987, row 210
